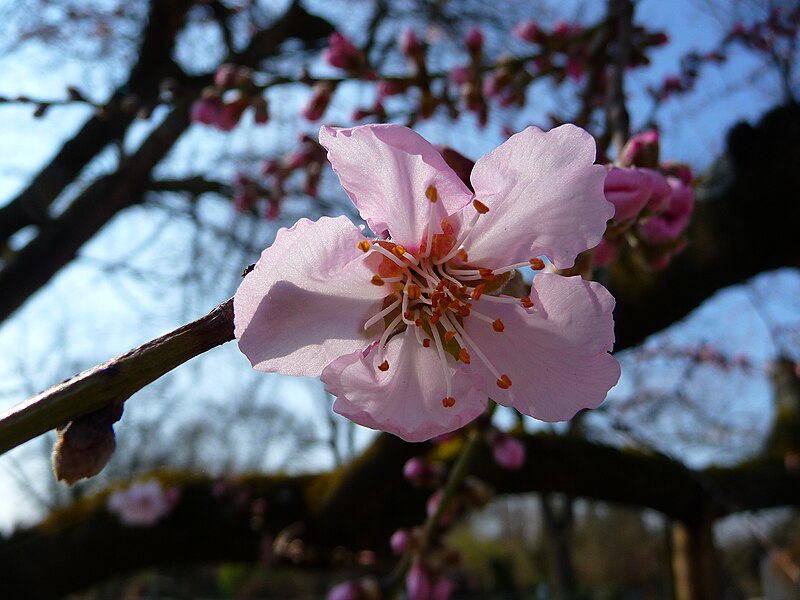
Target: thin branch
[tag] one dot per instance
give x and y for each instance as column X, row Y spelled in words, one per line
column 115, row 380
column 618, row 121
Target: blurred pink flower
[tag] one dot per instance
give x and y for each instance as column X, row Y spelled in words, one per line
column 142, row 504
column 628, row 190
column 508, row 451
column 411, row 331
column 341, row 53
column 527, row 31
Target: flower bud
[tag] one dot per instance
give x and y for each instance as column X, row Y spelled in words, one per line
column 508, row 451
column 628, row 190
column 671, row 223
column 528, row 31
column 641, row 150
column 400, row 541
column 318, row 102
column 341, row 53
column 474, row 41
column 410, row 45
column 206, row 110
column 418, row 583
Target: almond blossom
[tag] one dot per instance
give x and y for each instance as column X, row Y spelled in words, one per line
column 413, row 331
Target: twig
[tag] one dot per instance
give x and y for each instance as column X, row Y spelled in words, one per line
column 618, row 121
column 114, row 380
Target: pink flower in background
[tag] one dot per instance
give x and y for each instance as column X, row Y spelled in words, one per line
column 628, row 190
column 142, row 504
column 341, row 53
column 412, row 331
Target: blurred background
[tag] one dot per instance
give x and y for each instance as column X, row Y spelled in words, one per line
column 138, row 179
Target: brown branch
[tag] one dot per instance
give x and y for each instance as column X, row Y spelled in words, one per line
column 115, row 380
column 357, row 508
column 618, row 121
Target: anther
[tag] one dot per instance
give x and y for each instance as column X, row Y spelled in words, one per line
column 376, row 280
column 363, row 245
column 418, row 322
column 498, row 326
column 408, row 315
column 486, row 273
column 526, row 302
column 384, row 366
column 504, row 382
column 414, row 292
column 464, row 357
column 480, row 206
column 398, row 251
column 449, row 335
column 478, row 291
column 462, row 254
column 426, row 343
column 449, row 402
column 435, row 318
column 464, row 310
column 432, row 194
column 537, row 264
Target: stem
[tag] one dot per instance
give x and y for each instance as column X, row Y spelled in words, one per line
column 114, row 380
column 618, row 121
column 457, row 475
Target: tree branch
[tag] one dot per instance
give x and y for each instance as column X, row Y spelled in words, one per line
column 115, row 380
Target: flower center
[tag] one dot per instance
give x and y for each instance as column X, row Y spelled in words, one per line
column 434, row 292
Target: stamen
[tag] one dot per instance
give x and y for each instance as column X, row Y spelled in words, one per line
column 464, row 356
column 426, row 343
column 498, row 325
column 387, row 333
column 537, row 264
column 500, row 299
column 449, row 335
column 443, row 360
column 375, row 318
column 462, row 255
column 474, row 347
column 433, row 195
column 384, row 366
column 478, row 291
column 503, row 382
column 376, row 280
column 449, row 402
column 480, row 207
column 526, row 302
column 413, row 291
column 389, row 255
column 363, row 245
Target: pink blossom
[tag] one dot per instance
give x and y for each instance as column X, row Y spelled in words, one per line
column 412, row 331
column 628, row 190
column 141, row 505
column 641, row 150
column 661, row 191
column 460, row 74
column 670, row 224
column 230, row 113
column 574, row 68
column 318, row 102
column 508, row 452
column 528, row 31
column 400, row 541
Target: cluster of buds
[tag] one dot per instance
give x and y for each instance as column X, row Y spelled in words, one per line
column 266, row 195
column 685, row 81
column 703, row 353
column 653, row 203
column 775, row 34
column 223, row 104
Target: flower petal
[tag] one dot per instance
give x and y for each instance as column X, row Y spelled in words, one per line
column 405, row 400
column 386, row 170
column 556, row 356
column 545, row 197
column 307, row 299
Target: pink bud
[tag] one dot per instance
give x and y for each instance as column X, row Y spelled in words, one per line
column 391, row 88
column 641, row 150
column 260, row 110
column 418, row 584
column 562, row 29
column 400, row 541
column 347, row 590
column 410, row 45
column 574, row 68
column 416, row 470
column 341, row 53
column 528, row 31
column 206, row 110
column 433, row 505
column 474, row 40
column 230, row 114
column 318, row 102
column 628, row 190
column 661, row 192
column 508, row 451
column 670, row 224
